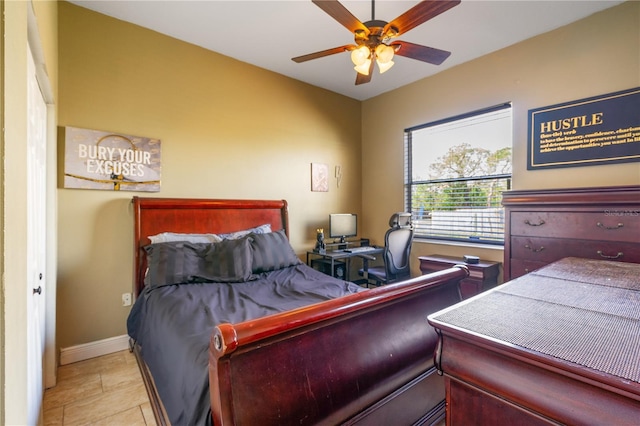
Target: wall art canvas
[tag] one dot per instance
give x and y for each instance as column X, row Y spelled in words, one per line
column 95, row 159
column 319, row 177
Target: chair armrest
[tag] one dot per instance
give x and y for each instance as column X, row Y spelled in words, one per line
column 367, row 256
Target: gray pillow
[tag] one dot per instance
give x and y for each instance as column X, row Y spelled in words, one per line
column 171, row 262
column 183, row 262
column 272, row 251
column 228, row 261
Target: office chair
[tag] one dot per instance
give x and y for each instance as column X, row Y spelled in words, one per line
column 397, row 249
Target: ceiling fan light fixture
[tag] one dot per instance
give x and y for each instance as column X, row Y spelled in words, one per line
column 384, row 53
column 360, row 55
column 374, row 39
column 384, row 57
column 364, row 67
column 384, row 66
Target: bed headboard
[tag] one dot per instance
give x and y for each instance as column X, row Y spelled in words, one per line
column 155, row 215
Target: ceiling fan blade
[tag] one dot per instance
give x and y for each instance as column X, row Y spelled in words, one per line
column 362, row 79
column 420, row 13
column 340, row 13
column 323, row 53
column 421, row 53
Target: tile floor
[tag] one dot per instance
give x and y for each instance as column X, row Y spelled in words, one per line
column 106, row 390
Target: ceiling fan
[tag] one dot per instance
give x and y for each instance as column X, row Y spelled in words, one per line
column 375, row 39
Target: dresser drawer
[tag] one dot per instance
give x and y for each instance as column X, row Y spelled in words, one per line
column 521, row 267
column 603, row 225
column 548, row 250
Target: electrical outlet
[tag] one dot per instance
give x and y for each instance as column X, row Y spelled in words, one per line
column 126, row 299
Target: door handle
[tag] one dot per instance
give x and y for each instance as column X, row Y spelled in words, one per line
column 37, row 290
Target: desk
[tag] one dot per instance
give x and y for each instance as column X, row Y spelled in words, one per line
column 337, row 261
column 556, row 346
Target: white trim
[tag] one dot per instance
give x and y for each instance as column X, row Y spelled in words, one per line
column 33, row 36
column 93, row 349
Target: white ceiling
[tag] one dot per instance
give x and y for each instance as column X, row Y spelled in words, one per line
column 268, row 33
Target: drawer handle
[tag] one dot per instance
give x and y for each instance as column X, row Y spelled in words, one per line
column 618, row 226
column 527, row 246
column 604, row 256
column 540, row 223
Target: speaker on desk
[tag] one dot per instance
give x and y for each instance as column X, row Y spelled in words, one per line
column 339, row 271
column 364, row 242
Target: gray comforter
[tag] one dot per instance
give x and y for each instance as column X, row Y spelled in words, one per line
column 173, row 324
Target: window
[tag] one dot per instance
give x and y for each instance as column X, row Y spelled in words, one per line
column 455, row 172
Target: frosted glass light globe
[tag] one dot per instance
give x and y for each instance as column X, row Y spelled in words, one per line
column 360, row 55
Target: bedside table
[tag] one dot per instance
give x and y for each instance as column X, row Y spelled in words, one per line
column 482, row 276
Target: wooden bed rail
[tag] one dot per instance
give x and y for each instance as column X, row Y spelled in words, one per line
column 362, row 358
column 228, row 337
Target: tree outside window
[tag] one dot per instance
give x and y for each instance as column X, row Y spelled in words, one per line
column 456, row 171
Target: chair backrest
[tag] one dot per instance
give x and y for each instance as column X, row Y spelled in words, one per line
column 397, row 247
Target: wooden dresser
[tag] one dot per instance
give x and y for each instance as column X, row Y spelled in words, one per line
column 556, row 346
column 595, row 223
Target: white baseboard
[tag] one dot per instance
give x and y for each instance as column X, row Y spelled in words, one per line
column 93, row 349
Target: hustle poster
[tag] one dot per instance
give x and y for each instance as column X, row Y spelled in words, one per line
column 598, row 130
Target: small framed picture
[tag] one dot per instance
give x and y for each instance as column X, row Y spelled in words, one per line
column 319, row 177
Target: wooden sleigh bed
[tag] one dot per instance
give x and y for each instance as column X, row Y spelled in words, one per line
column 361, row 358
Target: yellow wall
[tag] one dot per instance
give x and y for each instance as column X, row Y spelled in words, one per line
column 594, row 56
column 228, row 130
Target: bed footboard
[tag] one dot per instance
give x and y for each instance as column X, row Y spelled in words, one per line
column 365, row 358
